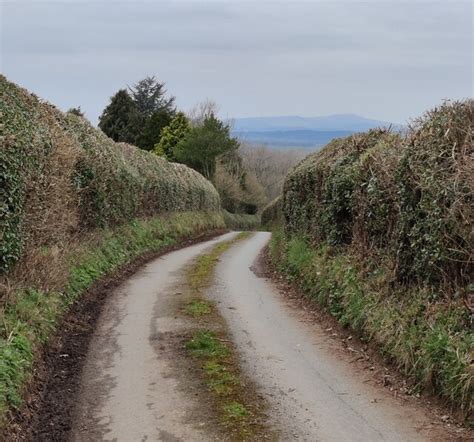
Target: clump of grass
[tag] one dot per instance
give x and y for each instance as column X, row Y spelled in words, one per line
column 235, row 411
column 197, row 308
column 206, row 344
column 222, row 382
column 213, row 368
column 199, row 275
column 219, row 375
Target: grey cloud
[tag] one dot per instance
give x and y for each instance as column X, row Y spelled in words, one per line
column 384, row 60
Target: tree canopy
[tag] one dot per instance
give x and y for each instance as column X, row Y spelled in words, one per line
column 120, row 118
column 149, row 97
column 171, row 135
column 152, row 130
column 202, row 145
column 138, row 115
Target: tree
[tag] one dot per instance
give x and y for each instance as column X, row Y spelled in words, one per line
column 153, row 128
column 171, row 135
column 202, row 145
column 149, row 97
column 270, row 166
column 138, row 115
column 201, row 111
column 154, row 109
column 238, row 188
column 120, row 119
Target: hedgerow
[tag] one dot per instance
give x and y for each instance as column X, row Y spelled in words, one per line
column 60, row 176
column 399, row 206
column 320, row 193
column 435, row 176
column 271, row 214
column 409, row 199
column 241, row 221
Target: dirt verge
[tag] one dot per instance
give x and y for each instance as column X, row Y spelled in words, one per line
column 46, row 414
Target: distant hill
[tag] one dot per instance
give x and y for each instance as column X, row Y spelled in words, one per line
column 344, row 122
column 306, row 139
column 305, row 132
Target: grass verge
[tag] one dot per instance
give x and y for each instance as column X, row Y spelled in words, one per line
column 31, row 316
column 430, row 342
column 211, row 348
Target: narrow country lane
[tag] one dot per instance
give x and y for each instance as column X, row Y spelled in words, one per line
column 313, row 393
column 129, row 392
column 132, row 391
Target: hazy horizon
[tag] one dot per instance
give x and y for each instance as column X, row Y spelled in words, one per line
column 388, row 61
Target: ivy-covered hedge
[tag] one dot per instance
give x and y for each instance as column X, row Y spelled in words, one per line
column 271, row 214
column 379, row 228
column 60, row 176
column 409, row 199
column 241, row 221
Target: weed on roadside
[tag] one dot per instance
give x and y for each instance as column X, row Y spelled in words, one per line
column 235, row 411
column 205, row 344
column 197, row 308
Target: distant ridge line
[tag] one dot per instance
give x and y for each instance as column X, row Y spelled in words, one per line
column 338, row 122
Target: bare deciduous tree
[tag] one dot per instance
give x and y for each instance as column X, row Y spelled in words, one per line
column 269, row 166
column 201, row 111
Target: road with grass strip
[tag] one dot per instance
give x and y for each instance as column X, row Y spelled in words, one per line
column 178, row 355
column 313, row 392
column 132, row 389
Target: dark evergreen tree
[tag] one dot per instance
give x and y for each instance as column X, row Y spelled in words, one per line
column 149, row 97
column 153, row 127
column 138, row 116
column 121, row 120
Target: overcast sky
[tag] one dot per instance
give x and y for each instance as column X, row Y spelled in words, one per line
column 388, row 60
